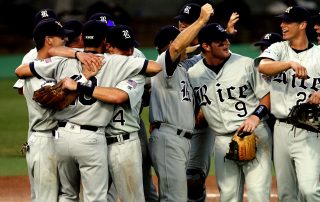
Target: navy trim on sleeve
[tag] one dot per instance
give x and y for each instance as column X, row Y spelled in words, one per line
column 31, row 66
column 144, row 68
column 170, row 65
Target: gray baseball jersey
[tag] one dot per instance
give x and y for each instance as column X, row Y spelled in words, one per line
column 126, row 117
column 171, row 96
column 93, row 112
column 287, row 90
column 229, row 97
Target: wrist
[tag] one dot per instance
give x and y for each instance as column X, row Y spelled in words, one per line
column 260, row 111
column 76, row 55
column 85, row 89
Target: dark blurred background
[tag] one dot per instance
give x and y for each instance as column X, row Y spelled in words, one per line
column 144, row 16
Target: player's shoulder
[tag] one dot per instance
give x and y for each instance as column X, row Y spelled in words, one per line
column 240, row 58
column 197, row 68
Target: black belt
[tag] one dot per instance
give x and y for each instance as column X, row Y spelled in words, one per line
column 187, row 135
column 83, row 127
column 111, row 140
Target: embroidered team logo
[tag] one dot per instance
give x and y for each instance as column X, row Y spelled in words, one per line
column 267, row 36
column 126, row 34
column 185, row 93
column 288, row 9
column 58, row 23
column 44, row 14
column 200, row 95
column 187, row 10
column 103, row 19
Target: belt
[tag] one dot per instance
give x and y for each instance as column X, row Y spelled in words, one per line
column 187, row 135
column 111, row 140
column 83, row 127
column 285, row 120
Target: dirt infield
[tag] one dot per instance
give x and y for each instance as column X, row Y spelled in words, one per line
column 17, row 189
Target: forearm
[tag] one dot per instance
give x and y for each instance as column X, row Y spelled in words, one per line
column 23, row 71
column 271, row 68
column 62, row 51
column 110, row 95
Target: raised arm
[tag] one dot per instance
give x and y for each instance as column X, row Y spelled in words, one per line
column 187, row 36
column 234, row 18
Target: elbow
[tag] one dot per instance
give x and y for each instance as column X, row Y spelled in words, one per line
column 121, row 98
column 18, row 73
column 153, row 68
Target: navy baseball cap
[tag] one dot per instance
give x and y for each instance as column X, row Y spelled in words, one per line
column 75, row 26
column 49, row 27
column 94, row 31
column 44, row 14
column 295, row 14
column 269, row 39
column 189, row 13
column 165, row 35
column 213, row 32
column 122, row 37
column 103, row 17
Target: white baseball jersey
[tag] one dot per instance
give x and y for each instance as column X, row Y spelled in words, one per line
column 89, row 110
column 287, row 90
column 229, row 97
column 171, row 99
column 126, row 117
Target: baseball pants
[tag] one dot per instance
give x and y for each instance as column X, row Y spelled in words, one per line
column 297, row 163
column 256, row 174
column 170, row 155
column 125, row 167
column 82, row 155
column 42, row 167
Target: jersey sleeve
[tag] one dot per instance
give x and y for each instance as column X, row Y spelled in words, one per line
column 47, row 68
column 134, row 87
column 273, row 52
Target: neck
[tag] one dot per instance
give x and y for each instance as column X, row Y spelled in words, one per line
column 300, row 43
column 43, row 53
column 93, row 49
column 214, row 61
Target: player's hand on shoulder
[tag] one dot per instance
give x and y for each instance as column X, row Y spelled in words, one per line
column 314, row 98
column 206, row 12
column 68, row 83
column 91, row 61
column 301, row 71
column 234, row 18
column 250, row 124
column 90, row 70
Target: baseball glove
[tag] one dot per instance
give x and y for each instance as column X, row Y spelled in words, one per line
column 54, row 97
column 305, row 116
column 242, row 147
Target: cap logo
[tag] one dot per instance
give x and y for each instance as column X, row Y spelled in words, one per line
column 220, row 28
column 187, row 9
column 103, row 19
column 58, row 23
column 126, row 34
column 288, row 9
column 267, row 36
column 44, row 14
column 89, row 37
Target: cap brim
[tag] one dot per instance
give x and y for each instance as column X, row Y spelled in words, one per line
column 262, row 43
column 66, row 32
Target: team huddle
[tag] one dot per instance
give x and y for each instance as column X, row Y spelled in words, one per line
column 203, row 99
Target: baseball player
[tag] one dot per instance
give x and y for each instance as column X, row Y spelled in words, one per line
column 148, row 186
column 124, row 150
column 40, row 154
column 32, row 54
column 233, row 102
column 171, row 99
column 80, row 140
column 74, row 38
column 294, row 67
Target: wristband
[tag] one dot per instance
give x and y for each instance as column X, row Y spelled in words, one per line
column 76, row 55
column 84, row 89
column 261, row 111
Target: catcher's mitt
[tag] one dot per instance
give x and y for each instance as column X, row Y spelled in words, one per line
column 242, row 147
column 54, row 97
column 305, row 116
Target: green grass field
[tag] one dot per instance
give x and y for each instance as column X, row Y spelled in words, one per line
column 14, row 117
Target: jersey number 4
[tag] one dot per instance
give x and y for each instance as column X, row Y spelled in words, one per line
column 119, row 117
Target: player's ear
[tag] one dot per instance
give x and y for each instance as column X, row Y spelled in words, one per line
column 48, row 40
column 206, row 46
column 303, row 25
